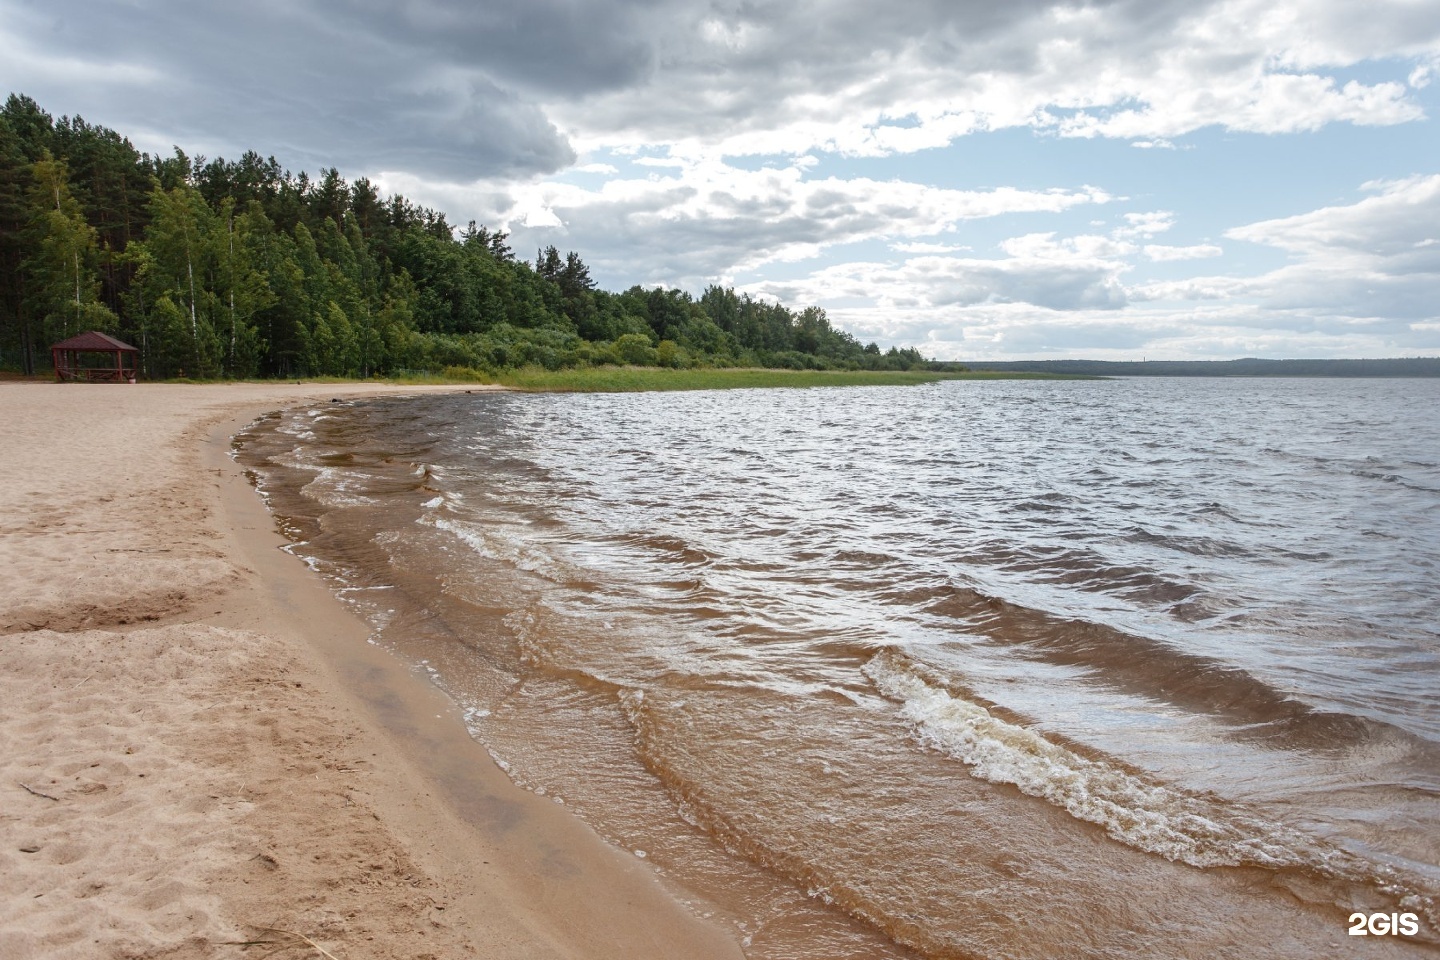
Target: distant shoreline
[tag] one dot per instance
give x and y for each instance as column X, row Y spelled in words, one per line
column 1247, row 367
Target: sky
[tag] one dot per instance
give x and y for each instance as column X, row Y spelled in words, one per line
column 1021, row 180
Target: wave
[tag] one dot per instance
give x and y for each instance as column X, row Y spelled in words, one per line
column 671, row 548
column 1196, row 546
column 490, row 541
column 1154, row 669
column 1149, row 817
column 730, row 629
column 1166, row 820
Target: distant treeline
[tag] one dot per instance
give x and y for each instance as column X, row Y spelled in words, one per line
column 217, row 268
column 1250, row 367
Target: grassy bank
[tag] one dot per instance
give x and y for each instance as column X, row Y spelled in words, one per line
column 636, row 379
column 633, row 379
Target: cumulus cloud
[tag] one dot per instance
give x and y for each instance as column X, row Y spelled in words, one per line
column 1361, row 283
column 1161, row 253
column 1146, row 224
column 709, row 220
column 1398, row 223
column 1193, row 288
column 462, row 89
column 1045, row 246
column 1010, row 331
column 870, row 79
column 933, row 285
column 927, row 247
column 1379, row 257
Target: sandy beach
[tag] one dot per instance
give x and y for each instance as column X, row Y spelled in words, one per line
column 201, row 756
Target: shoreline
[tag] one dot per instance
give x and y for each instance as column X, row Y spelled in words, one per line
column 218, row 750
column 359, row 519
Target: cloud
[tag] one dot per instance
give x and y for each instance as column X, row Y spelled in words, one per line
column 457, row 89
column 915, row 247
column 1225, row 330
column 1379, row 257
column 933, row 285
column 1274, row 103
column 1044, row 246
column 873, row 80
column 708, row 220
column 1193, row 288
column 1163, row 254
column 1146, row 224
column 547, row 48
column 1399, row 219
column 1361, row 283
column 293, row 80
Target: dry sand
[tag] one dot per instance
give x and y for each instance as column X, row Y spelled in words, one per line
column 199, row 749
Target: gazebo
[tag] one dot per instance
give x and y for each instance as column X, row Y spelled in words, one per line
column 75, row 359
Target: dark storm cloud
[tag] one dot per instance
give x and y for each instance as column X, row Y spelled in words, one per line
column 307, row 83
column 565, row 47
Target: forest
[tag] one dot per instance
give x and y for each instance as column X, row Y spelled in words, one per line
column 236, row 269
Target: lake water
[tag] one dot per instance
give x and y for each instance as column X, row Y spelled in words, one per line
column 991, row 669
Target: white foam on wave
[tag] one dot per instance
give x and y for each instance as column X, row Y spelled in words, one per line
column 296, row 430
column 334, row 487
column 297, row 459
column 1156, row 819
column 493, row 544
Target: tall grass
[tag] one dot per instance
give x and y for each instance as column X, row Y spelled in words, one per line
column 633, row 379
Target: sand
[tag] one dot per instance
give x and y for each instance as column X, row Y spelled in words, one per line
column 199, row 750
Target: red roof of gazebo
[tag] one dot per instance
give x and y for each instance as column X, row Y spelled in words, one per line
column 95, row 340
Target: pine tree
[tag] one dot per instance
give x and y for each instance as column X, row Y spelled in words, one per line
column 17, row 335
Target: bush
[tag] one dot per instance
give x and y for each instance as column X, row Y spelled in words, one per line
column 669, row 354
column 634, row 348
column 468, row 374
column 600, row 354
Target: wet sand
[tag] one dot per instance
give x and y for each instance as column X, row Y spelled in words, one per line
column 198, row 749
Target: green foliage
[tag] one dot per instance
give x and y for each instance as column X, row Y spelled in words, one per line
column 61, row 274
column 635, row 349
column 179, row 274
column 634, row 379
column 217, row 268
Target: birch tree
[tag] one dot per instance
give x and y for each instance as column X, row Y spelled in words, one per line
column 62, row 272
